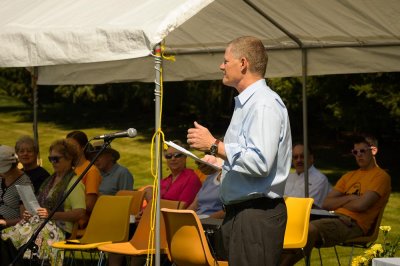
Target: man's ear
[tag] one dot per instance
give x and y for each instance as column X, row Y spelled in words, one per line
column 244, row 64
column 374, row 150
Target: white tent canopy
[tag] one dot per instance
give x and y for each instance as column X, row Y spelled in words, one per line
column 86, row 42
column 92, row 42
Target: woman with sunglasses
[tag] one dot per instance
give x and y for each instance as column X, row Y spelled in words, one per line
column 182, row 184
column 62, row 156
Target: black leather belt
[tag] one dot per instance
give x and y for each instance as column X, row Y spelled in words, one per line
column 262, row 203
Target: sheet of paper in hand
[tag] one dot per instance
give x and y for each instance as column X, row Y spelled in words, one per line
column 191, row 155
column 28, row 198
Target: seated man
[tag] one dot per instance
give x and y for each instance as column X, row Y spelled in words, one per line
column 318, row 184
column 357, row 199
column 115, row 177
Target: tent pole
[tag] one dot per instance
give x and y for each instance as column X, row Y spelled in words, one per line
column 34, row 86
column 305, row 121
column 158, row 145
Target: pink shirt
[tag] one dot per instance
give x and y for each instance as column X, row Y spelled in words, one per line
column 184, row 188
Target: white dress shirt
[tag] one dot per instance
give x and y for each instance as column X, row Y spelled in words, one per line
column 318, row 185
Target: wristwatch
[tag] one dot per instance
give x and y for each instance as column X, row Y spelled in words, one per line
column 214, row 147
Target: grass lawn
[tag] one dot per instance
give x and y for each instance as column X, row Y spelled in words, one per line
column 135, row 155
column 135, row 152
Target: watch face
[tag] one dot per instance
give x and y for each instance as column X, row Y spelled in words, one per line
column 213, row 149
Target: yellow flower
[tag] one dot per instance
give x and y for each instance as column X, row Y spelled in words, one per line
column 377, row 249
column 360, row 260
column 356, row 261
column 385, row 228
column 369, row 253
column 387, row 249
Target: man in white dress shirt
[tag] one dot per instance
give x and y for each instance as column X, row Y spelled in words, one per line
column 318, row 184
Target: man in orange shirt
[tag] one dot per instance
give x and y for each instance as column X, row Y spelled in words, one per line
column 357, row 199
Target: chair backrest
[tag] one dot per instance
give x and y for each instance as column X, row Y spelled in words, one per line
column 372, row 235
column 137, row 201
column 140, row 239
column 187, row 243
column 298, row 211
column 109, row 220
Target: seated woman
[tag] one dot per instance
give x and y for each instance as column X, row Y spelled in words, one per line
column 62, row 156
column 182, row 184
column 27, row 151
column 10, row 176
column 92, row 178
column 207, row 202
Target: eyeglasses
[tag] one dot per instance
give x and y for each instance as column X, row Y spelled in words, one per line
column 361, row 151
column 176, row 155
column 54, row 159
column 295, row 157
column 26, row 151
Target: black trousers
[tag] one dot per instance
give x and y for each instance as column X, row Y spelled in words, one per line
column 252, row 232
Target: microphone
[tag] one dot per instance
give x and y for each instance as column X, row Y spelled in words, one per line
column 129, row 133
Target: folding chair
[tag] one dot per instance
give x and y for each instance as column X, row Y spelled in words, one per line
column 362, row 241
column 296, row 233
column 137, row 201
column 187, row 243
column 109, row 222
column 138, row 245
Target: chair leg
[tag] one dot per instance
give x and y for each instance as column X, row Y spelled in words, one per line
column 337, row 256
column 351, row 255
column 100, row 263
column 320, row 257
column 307, row 259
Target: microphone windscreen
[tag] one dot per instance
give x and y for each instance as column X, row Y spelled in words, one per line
column 131, row 132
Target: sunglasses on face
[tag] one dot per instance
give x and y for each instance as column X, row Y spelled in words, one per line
column 176, row 155
column 361, row 151
column 54, row 159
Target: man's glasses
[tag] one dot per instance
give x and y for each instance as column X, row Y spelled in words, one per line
column 54, row 159
column 295, row 157
column 361, row 151
column 176, row 155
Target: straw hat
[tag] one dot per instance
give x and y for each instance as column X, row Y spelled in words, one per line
column 97, row 147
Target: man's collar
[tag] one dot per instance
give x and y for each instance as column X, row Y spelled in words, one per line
column 249, row 91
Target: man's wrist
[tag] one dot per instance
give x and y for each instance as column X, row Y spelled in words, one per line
column 214, row 147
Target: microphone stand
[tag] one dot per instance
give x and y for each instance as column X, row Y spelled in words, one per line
column 30, row 244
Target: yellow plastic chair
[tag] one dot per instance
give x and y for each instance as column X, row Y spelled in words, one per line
column 109, row 222
column 137, row 201
column 187, row 243
column 138, row 245
column 298, row 221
